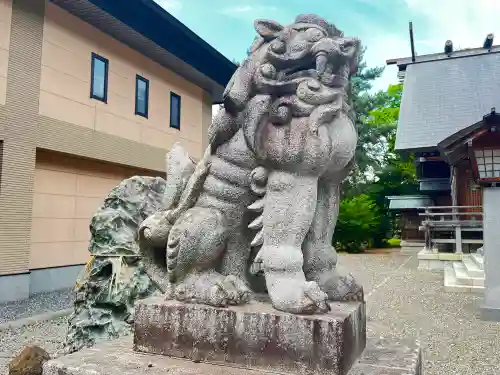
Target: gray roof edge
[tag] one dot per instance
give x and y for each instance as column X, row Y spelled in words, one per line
column 443, row 56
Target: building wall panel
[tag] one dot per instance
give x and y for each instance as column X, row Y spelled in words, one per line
column 20, row 122
column 67, row 193
column 65, row 87
column 5, row 24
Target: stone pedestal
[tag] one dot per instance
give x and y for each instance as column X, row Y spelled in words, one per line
column 255, row 336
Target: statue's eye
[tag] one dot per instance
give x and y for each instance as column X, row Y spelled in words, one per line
column 314, row 34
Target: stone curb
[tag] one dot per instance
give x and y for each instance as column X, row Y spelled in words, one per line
column 35, row 319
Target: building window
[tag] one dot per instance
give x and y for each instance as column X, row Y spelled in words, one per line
column 141, row 96
column 175, row 111
column 488, row 163
column 99, row 78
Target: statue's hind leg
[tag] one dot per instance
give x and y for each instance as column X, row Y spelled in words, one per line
column 196, row 243
column 320, row 258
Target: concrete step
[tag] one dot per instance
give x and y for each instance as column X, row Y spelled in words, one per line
column 472, row 269
column 451, row 285
column 478, row 259
column 463, row 277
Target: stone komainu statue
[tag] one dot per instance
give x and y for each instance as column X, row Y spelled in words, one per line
column 257, row 213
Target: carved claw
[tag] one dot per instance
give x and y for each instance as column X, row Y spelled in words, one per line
column 211, row 289
column 317, row 296
column 235, row 290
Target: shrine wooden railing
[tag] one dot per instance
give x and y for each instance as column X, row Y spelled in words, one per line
column 451, row 219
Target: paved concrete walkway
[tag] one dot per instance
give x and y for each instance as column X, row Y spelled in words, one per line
column 402, row 301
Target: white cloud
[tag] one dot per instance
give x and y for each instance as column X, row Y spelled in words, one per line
column 465, row 22
column 248, row 11
column 170, row 5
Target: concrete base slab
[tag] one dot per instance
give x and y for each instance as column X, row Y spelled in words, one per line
column 254, row 335
column 117, row 357
column 489, row 313
column 411, row 247
column 432, row 260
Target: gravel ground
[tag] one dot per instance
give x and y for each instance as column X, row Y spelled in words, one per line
column 404, row 302
column 401, row 302
column 48, row 335
column 36, row 304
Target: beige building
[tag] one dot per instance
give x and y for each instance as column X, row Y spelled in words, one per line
column 91, row 92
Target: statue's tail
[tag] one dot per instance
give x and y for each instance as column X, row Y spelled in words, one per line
column 184, row 183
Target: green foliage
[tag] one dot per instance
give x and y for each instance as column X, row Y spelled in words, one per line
column 358, row 222
column 380, row 170
column 394, row 242
column 363, row 102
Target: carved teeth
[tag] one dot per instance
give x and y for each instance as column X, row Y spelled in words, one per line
column 257, row 223
column 257, row 206
column 255, row 268
column 258, row 240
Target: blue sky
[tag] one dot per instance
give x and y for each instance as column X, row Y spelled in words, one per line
column 382, row 25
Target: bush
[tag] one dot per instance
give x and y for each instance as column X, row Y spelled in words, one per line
column 357, row 225
column 394, row 242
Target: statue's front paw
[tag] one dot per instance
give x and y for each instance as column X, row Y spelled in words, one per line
column 297, row 296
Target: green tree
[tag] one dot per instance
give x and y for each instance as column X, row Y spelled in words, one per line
column 364, row 101
column 391, row 172
column 357, row 225
column 397, row 172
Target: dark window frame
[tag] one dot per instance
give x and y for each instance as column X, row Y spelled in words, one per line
column 146, row 81
column 178, row 97
column 95, row 57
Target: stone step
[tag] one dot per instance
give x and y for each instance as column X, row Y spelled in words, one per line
column 463, row 277
column 478, row 259
column 451, row 284
column 472, row 269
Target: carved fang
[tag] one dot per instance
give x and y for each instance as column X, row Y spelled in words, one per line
column 257, row 265
column 258, row 257
column 257, row 223
column 257, row 206
column 258, row 240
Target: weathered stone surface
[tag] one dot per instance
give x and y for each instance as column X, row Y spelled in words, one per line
column 117, row 358
column 389, row 357
column 253, row 335
column 29, row 361
column 114, row 278
column 266, row 193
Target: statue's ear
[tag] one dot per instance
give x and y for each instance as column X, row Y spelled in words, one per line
column 267, row 29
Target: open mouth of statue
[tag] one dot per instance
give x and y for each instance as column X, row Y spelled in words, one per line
column 305, row 69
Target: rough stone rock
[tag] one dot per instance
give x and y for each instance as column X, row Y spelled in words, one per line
column 29, row 362
column 254, row 335
column 114, row 278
